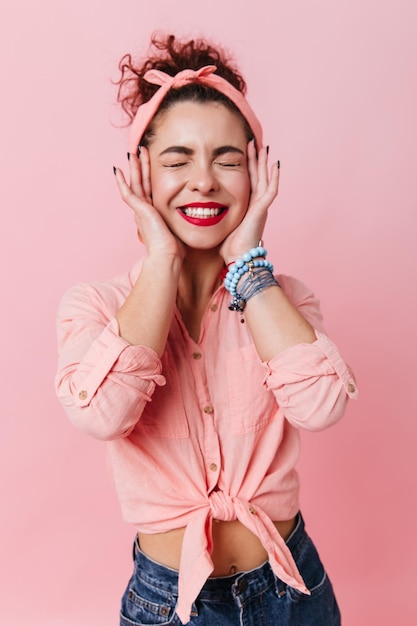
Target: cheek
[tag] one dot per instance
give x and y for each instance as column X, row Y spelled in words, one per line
column 248, row 190
column 163, row 188
column 237, row 184
column 244, row 190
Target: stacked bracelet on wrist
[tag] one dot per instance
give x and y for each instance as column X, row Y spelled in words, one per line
column 248, row 261
column 260, row 278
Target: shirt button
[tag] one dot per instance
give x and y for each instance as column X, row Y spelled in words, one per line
column 213, row 467
column 208, row 409
column 197, row 355
column 83, row 394
column 213, row 307
column 351, row 388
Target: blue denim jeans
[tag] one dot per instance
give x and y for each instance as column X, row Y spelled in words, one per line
column 254, row 598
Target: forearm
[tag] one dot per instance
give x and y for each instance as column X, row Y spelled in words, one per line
column 145, row 317
column 275, row 323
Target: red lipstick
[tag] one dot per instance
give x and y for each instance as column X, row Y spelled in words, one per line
column 203, row 213
column 209, row 205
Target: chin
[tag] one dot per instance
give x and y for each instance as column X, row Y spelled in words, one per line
column 197, row 244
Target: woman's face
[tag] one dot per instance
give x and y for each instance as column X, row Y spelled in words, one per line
column 199, row 172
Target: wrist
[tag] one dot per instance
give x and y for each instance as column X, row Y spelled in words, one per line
column 244, row 252
column 164, row 262
column 255, row 257
column 248, row 276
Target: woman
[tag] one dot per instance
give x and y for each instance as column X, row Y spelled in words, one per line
column 199, row 366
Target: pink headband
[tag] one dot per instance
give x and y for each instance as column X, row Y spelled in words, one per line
column 205, row 75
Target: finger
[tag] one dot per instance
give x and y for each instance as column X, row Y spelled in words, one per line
column 252, row 165
column 271, row 191
column 125, row 190
column 262, row 200
column 120, row 177
column 273, row 183
column 278, row 175
column 136, row 176
column 263, row 177
column 146, row 173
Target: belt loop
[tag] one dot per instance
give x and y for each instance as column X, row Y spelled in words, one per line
column 280, row 587
column 135, row 548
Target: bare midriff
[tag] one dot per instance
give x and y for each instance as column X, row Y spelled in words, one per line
column 235, row 547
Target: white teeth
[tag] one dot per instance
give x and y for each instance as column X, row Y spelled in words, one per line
column 201, row 212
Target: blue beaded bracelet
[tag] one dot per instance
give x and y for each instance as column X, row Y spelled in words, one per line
column 246, row 264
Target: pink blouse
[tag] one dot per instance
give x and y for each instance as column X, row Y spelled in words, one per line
column 208, row 431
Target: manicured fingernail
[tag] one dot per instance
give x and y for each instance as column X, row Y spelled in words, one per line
column 267, row 149
column 278, row 164
column 114, row 170
column 128, row 156
column 138, row 152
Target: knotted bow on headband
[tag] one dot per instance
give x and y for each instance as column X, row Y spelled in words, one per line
column 204, row 75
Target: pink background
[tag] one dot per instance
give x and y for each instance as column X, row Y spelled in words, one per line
column 335, row 83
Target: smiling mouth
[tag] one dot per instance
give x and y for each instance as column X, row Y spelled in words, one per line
column 200, row 212
column 203, row 213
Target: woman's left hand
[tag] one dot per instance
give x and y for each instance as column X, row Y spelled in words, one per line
column 264, row 186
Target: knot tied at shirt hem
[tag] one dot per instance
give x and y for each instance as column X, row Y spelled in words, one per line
column 196, row 564
column 222, row 506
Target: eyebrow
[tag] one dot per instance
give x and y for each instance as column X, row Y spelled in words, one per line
column 188, row 151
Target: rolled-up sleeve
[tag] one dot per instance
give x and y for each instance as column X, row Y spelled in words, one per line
column 311, row 383
column 103, row 382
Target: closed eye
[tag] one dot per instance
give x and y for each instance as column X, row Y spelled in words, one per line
column 174, row 164
column 223, row 164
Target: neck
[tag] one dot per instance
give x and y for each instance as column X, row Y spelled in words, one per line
column 200, row 277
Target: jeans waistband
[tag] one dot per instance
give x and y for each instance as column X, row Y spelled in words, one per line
column 218, row 588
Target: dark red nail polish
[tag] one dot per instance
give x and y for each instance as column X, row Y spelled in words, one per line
column 128, row 156
column 267, row 149
column 114, row 170
column 278, row 165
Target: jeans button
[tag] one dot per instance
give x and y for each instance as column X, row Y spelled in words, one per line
column 243, row 585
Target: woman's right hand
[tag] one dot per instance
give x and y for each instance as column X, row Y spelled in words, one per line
column 152, row 229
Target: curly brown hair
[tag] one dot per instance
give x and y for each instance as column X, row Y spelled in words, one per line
column 170, row 55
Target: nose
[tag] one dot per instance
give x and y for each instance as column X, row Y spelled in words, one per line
column 202, row 178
